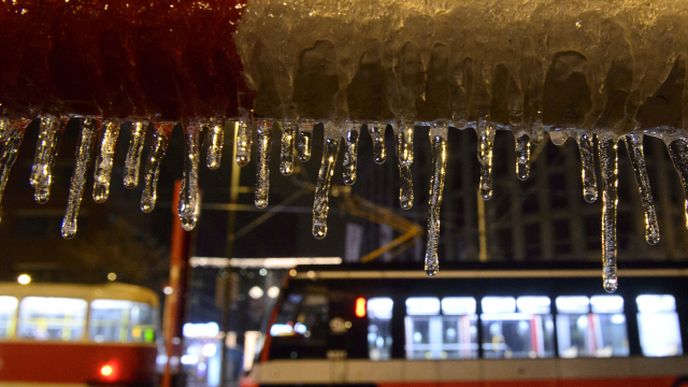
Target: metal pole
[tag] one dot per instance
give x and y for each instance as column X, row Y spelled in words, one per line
column 175, row 301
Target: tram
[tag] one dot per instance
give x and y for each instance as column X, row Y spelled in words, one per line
column 477, row 326
column 77, row 335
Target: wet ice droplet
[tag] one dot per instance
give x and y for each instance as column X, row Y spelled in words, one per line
column 438, row 144
column 189, row 195
column 486, row 135
column 44, row 158
column 132, row 163
column 321, row 199
column 102, row 171
column 243, row 139
column 678, row 150
column 11, row 137
column 404, row 148
column 634, row 145
column 350, row 152
column 288, row 147
column 377, row 134
column 523, row 146
column 558, row 137
column 89, row 128
column 264, row 139
column 216, row 142
column 586, row 148
column 161, row 135
column 610, row 179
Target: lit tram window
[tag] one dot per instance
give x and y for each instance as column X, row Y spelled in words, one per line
column 658, row 326
column 380, row 328
column 441, row 330
column 8, row 311
column 121, row 321
column 52, row 318
column 591, row 327
column 517, row 328
column 460, row 327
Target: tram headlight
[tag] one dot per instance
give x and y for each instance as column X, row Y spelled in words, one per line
column 108, row 371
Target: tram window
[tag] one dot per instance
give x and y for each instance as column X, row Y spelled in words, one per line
column 441, row 330
column 591, row 327
column 380, row 328
column 660, row 333
column 517, row 328
column 51, row 318
column 304, row 316
column 8, row 311
column 121, row 321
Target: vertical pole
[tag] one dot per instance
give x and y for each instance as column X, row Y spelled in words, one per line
column 482, row 229
column 175, row 301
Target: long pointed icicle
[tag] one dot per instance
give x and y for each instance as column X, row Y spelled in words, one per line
column 10, row 141
column 610, row 178
column 486, row 135
column 351, row 152
column 586, row 148
column 89, row 128
column 304, row 140
column 216, row 142
column 102, row 171
column 243, row 139
column 523, row 147
column 189, row 197
column 404, row 148
column 678, row 150
column 438, row 143
column 321, row 201
column 377, row 134
column 132, row 163
column 161, row 138
column 634, row 145
column 46, row 150
column 264, row 139
column 287, row 147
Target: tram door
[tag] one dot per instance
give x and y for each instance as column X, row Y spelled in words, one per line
column 347, row 329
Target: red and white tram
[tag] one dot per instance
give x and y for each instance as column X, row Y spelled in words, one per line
column 519, row 326
column 77, row 335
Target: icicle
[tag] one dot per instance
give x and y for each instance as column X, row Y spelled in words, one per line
column 321, row 204
column 161, row 136
column 132, row 164
column 189, row 196
column 404, row 148
column 438, row 143
column 377, row 134
column 89, row 128
column 243, row 139
column 350, row 152
column 44, row 158
column 304, row 140
column 264, row 137
column 523, row 147
column 610, row 176
column 486, row 135
column 11, row 137
column 104, row 162
column 586, row 148
column 216, row 141
column 678, row 150
column 634, row 144
column 287, row 147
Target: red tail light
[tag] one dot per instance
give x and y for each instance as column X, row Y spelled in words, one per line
column 360, row 308
column 108, row 371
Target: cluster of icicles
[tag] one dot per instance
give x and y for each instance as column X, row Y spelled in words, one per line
column 296, row 142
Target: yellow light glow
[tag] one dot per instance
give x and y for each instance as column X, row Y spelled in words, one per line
column 24, row 279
